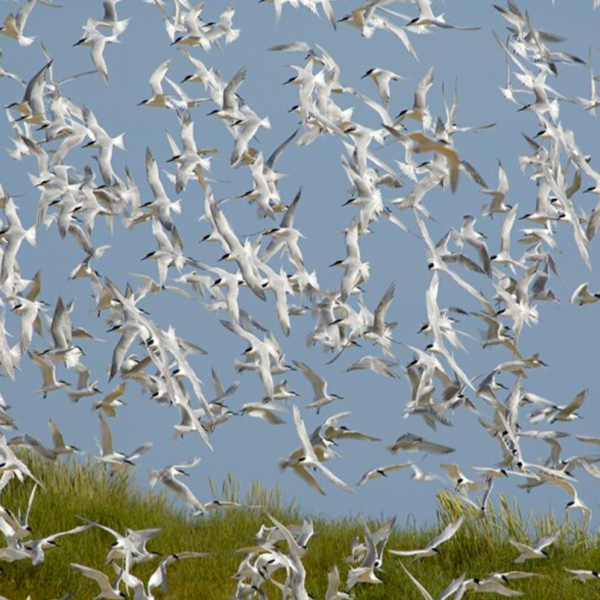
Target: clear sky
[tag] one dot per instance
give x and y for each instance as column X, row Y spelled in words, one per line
column 566, row 336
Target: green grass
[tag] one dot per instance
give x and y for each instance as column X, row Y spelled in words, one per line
column 72, row 488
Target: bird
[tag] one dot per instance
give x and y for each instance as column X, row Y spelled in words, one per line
column 159, row 98
column 382, row 472
column 583, row 575
column 168, row 477
column 308, row 457
column 582, row 295
column 14, row 24
column 382, row 79
column 537, row 551
column 92, row 37
column 108, row 589
column 116, row 461
column 431, row 549
column 455, row 589
column 48, row 370
column 426, row 17
column 409, row 442
column 419, row 110
column 319, row 386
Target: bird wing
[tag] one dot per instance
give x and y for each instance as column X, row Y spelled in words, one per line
column 102, row 579
column 309, row 453
column 157, row 77
column 97, row 53
column 107, row 442
column 446, row 534
column 382, row 308
column 546, row 541
column 316, row 381
column 421, row 589
column 229, row 93
column 57, row 436
column 308, row 478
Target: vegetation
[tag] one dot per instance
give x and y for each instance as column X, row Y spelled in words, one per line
column 73, row 488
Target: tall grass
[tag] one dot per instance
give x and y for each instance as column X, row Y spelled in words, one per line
column 83, row 489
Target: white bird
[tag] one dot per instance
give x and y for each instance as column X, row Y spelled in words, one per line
column 14, row 25
column 576, row 503
column 582, row 295
column 419, row 475
column 373, row 550
column 168, row 477
column 159, row 577
column 583, row 575
column 333, row 586
column 504, row 257
column 161, row 205
column 426, row 17
column 382, row 79
column 98, row 42
column 533, row 552
column 117, row 461
column 432, row 547
column 159, row 98
column 490, row 585
column 38, row 547
column 419, row 111
column 319, row 386
column 48, row 370
column 455, row 589
column 382, row 472
column 458, row 479
column 409, row 442
column 498, row 195
column 108, row 589
column 308, row 457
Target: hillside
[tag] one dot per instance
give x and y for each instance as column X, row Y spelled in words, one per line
column 73, row 489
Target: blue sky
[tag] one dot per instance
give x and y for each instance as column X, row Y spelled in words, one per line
column 248, row 448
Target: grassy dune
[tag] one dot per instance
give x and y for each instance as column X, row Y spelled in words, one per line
column 70, row 489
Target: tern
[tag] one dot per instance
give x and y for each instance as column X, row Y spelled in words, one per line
column 32, row 106
column 168, row 477
column 14, row 25
column 410, row 442
column 159, row 577
column 455, row 589
column 498, row 205
column 536, row 551
column 583, row 575
column 426, row 17
column 432, row 547
column 419, row 110
column 48, row 370
column 108, row 589
column 382, row 79
column 372, row 561
column 309, row 458
column 117, row 461
column 319, row 386
column 161, row 206
column 159, row 98
column 98, row 42
column 382, row 472
column 38, row 547
column 582, row 295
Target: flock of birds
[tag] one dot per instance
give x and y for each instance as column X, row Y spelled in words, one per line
column 49, row 129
